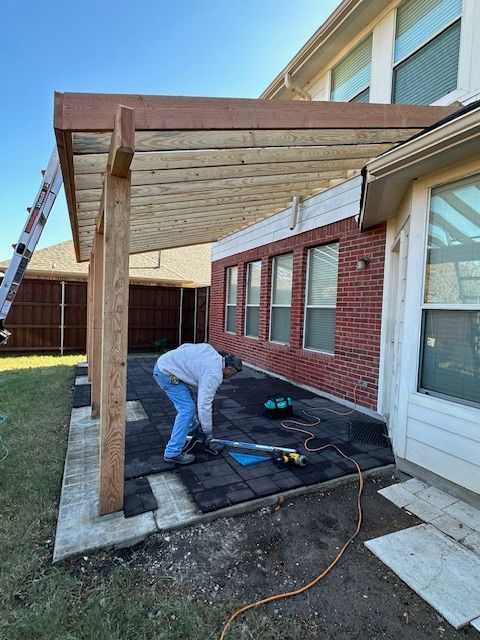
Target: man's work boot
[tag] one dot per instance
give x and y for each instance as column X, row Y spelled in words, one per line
column 182, row 458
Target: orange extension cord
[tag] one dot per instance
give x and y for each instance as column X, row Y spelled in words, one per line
column 310, row 436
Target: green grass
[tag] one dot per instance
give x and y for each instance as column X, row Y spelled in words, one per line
column 41, row 601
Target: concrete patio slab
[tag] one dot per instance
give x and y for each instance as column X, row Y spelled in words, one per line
column 415, row 486
column 81, row 380
column 440, row 570
column 134, row 411
column 436, row 497
column 424, row 510
column 398, row 494
column 472, row 541
column 79, row 527
column 476, row 624
column 465, row 513
column 452, row 527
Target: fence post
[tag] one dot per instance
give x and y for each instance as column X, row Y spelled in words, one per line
column 195, row 318
column 207, row 301
column 180, row 318
column 62, row 318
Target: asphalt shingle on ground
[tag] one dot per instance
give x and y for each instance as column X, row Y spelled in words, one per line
column 216, row 483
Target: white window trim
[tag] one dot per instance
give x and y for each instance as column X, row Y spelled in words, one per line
column 314, row 306
column 227, row 304
column 451, row 94
column 278, row 306
column 247, row 304
column 425, row 306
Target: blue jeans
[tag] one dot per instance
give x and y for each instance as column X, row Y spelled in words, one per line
column 181, row 397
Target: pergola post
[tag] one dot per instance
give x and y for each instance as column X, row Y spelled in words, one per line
column 116, row 227
column 89, row 319
column 96, row 352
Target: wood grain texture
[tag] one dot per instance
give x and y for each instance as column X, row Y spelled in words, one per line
column 95, row 180
column 93, row 112
column 97, row 260
column 152, row 161
column 86, row 143
column 114, row 342
column 90, row 285
column 122, row 144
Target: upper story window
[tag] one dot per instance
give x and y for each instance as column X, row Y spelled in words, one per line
column 231, row 299
column 427, row 45
column 450, row 355
column 252, row 299
column 350, row 78
column 282, row 269
column 321, row 298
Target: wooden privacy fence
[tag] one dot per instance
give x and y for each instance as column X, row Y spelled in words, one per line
column 51, row 315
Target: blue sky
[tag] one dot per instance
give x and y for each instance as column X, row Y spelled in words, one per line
column 228, row 48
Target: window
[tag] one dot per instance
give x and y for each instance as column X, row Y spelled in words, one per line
column 450, row 350
column 231, row 306
column 427, row 44
column 350, row 78
column 252, row 299
column 282, row 268
column 321, row 298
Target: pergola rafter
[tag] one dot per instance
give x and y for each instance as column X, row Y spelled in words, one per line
column 144, row 173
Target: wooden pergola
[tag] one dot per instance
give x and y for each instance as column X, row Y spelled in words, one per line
column 144, row 173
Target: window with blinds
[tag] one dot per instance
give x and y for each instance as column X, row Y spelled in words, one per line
column 350, row 78
column 281, row 299
column 450, row 352
column 252, row 299
column 427, row 46
column 231, row 299
column 321, row 299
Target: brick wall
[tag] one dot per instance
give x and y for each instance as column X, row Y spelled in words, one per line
column 359, row 304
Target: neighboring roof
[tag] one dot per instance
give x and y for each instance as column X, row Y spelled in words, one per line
column 388, row 177
column 186, row 265
column 204, row 168
column 346, row 22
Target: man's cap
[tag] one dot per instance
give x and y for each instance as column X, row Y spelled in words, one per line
column 233, row 362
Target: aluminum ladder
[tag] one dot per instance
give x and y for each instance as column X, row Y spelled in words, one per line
column 23, row 250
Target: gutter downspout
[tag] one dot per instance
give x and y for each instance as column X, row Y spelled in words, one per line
column 291, row 86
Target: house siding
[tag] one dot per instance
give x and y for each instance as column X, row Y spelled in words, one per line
column 358, row 318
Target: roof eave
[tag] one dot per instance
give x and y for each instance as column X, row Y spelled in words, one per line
column 350, row 17
column 388, row 177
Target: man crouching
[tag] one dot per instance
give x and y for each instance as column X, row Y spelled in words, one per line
column 197, row 365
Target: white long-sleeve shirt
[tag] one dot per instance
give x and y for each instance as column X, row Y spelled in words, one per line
column 198, row 365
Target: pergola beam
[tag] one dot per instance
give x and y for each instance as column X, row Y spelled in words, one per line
column 93, row 112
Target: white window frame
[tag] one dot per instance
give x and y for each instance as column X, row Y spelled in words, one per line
column 315, row 306
column 247, row 304
column 279, row 306
column 446, row 26
column 426, row 306
column 227, row 304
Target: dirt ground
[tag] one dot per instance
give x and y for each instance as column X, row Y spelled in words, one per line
column 236, row 560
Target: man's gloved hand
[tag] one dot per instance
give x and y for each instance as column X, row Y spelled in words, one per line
column 205, row 440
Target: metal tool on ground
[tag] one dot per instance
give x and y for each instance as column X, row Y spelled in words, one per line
column 283, row 458
column 281, row 455
column 23, row 250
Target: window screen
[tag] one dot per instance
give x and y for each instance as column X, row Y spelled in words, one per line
column 231, row 297
column 282, row 268
column 321, row 298
column 350, row 78
column 252, row 299
column 450, row 358
column 427, row 45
